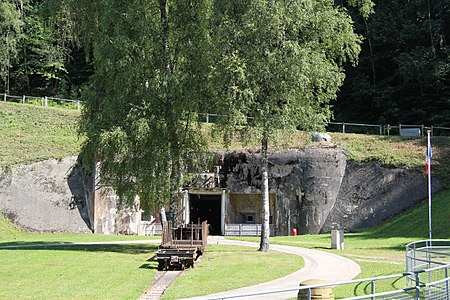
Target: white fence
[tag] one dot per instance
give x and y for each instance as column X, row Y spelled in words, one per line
column 344, row 127
column 246, row 229
column 150, row 228
column 44, row 101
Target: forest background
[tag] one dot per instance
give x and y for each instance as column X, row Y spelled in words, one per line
column 403, row 75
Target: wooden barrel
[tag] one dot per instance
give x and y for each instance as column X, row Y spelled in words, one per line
column 320, row 293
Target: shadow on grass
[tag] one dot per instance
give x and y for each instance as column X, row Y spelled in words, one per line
column 152, row 263
column 51, row 246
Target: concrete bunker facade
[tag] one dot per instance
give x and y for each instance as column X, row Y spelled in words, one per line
column 313, row 190
column 303, row 187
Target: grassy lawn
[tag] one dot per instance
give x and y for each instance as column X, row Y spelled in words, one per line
column 380, row 251
column 224, row 268
column 77, row 272
column 11, row 235
column 121, row 271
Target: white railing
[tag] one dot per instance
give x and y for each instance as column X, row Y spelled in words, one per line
column 44, row 101
column 246, row 229
column 344, row 127
column 150, row 228
column 426, row 284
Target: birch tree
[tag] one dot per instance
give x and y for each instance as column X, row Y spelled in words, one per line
column 151, row 64
column 279, row 62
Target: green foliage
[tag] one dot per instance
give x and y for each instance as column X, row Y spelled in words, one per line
column 11, row 25
column 403, row 75
column 138, row 107
column 279, row 62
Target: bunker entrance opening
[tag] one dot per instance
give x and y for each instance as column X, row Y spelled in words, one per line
column 206, row 208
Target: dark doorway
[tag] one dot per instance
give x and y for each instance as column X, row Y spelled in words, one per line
column 206, row 208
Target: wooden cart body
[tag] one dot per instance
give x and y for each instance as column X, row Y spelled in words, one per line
column 180, row 248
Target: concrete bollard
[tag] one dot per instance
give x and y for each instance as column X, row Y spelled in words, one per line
column 337, row 239
column 320, row 293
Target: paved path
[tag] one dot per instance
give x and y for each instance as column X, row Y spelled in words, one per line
column 318, row 265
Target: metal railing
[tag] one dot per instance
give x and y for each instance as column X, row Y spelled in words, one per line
column 387, row 129
column 422, row 288
column 344, row 127
column 44, row 101
column 374, row 129
column 247, row 229
column 427, row 254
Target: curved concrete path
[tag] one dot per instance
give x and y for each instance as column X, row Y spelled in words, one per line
column 318, row 265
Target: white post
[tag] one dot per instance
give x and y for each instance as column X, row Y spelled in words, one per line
column 187, row 215
column 429, row 155
column 45, row 101
column 23, row 99
column 337, row 239
column 223, row 211
column 4, row 97
column 78, row 104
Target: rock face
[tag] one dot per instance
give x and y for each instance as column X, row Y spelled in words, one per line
column 317, row 189
column 39, row 197
column 59, row 196
column 370, row 194
column 306, row 184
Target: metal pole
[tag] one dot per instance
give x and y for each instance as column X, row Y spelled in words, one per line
column 429, row 155
column 343, row 127
column 23, row 99
column 417, row 297
column 446, row 283
column 372, row 289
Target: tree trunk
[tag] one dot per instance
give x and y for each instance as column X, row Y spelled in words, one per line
column 265, row 230
column 174, row 186
column 170, row 118
column 164, row 22
column 372, row 62
column 162, row 213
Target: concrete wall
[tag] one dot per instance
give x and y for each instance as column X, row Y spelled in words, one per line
column 110, row 216
column 45, row 196
column 317, row 189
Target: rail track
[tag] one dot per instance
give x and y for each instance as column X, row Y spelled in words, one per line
column 161, row 283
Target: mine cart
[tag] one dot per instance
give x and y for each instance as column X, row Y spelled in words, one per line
column 181, row 247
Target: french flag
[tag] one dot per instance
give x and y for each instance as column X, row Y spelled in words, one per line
column 428, row 158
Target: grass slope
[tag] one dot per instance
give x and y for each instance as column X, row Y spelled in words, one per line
column 30, row 133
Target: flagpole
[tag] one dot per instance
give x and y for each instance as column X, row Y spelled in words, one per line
column 429, row 185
